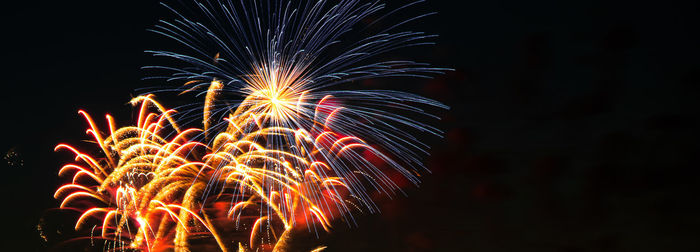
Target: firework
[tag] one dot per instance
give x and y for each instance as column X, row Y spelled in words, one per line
column 290, row 158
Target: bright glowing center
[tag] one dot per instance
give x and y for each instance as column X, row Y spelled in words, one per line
column 275, row 91
column 275, row 100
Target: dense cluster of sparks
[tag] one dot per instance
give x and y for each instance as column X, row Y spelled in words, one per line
column 158, row 192
column 288, row 157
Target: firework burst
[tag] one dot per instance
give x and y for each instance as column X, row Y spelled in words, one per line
column 290, row 157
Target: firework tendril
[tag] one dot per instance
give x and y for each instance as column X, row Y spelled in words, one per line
column 291, row 156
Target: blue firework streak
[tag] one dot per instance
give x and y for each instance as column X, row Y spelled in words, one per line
column 284, row 58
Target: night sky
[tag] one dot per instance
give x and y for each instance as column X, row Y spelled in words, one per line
column 572, row 125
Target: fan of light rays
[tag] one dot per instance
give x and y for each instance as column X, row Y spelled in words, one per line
column 149, row 192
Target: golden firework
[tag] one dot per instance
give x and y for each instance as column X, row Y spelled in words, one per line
column 157, row 192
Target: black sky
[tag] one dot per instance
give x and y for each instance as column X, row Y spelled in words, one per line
column 572, row 128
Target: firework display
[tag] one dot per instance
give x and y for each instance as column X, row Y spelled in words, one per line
column 271, row 152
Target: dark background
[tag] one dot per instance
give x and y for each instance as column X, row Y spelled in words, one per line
column 572, row 128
